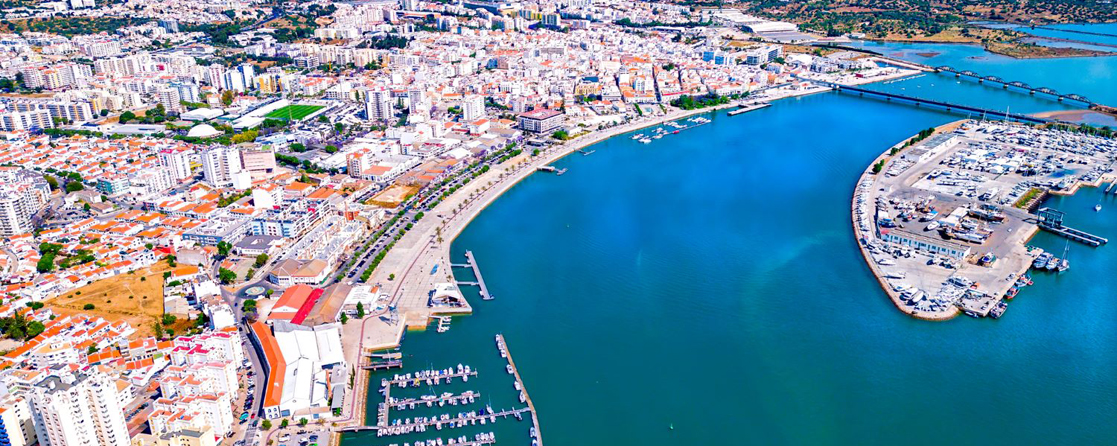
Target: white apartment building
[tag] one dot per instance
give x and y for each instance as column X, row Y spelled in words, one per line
column 473, row 108
column 221, row 165
column 177, row 161
column 16, row 423
column 378, row 104
column 170, row 99
column 14, row 120
column 79, row 409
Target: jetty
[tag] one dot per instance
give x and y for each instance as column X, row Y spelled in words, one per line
column 381, row 361
column 471, row 263
column 420, row 424
column 429, row 377
column 535, row 433
column 551, row 169
column 743, row 108
column 1051, row 220
column 1112, row 187
column 431, row 400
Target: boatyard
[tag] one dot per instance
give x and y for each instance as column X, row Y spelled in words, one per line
column 944, row 218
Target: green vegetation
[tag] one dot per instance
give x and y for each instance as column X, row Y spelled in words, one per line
column 687, row 102
column 18, row 328
column 71, row 26
column 294, row 111
column 261, row 260
column 1027, row 198
column 88, row 307
column 560, row 135
column 226, row 276
column 879, row 166
column 226, row 200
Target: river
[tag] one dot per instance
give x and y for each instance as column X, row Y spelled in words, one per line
column 706, row 289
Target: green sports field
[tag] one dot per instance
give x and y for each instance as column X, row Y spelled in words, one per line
column 295, row 112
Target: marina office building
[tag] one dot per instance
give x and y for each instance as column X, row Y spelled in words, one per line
column 921, row 242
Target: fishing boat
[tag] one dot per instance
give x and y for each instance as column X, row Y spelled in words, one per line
column 1052, row 264
column 1097, row 207
column 1041, row 261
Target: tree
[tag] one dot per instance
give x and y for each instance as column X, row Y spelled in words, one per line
column 35, row 305
column 227, row 97
column 266, row 424
column 104, row 112
column 86, row 207
column 344, row 318
column 303, row 421
column 91, row 350
column 283, row 424
column 52, row 182
column 261, row 260
column 169, row 319
column 298, row 147
column 223, row 248
column 360, row 310
column 46, row 263
column 225, row 276
column 74, row 186
column 330, row 148
column 323, row 119
column 127, row 116
column 159, row 333
column 88, row 307
column 560, row 135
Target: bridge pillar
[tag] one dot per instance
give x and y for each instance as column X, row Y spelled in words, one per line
column 1032, row 92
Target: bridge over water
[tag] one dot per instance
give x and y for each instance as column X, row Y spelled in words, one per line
column 919, row 102
column 1016, row 84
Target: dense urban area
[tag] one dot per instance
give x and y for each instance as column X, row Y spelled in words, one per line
column 213, row 212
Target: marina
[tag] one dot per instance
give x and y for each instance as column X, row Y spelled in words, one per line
column 536, row 440
column 966, row 189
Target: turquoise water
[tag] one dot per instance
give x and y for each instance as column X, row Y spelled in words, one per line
column 1101, row 28
column 1093, row 77
column 709, row 281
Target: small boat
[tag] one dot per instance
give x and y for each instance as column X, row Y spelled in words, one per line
column 1097, row 207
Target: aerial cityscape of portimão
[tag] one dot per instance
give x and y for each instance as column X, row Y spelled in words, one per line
column 584, row 222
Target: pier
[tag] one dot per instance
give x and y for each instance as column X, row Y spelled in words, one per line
column 503, row 347
column 420, row 424
column 551, row 169
column 1111, row 187
column 431, row 400
column 1051, row 220
column 1016, row 84
column 471, row 263
column 743, row 108
column 434, row 376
